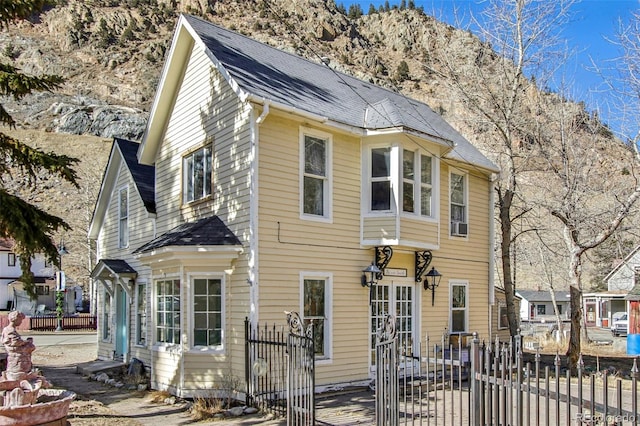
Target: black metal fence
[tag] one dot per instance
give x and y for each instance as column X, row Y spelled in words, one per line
column 69, row 322
column 266, row 368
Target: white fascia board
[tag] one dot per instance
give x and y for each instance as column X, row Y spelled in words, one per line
column 104, row 195
column 166, row 92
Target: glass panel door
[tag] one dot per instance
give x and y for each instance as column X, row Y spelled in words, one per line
column 399, row 298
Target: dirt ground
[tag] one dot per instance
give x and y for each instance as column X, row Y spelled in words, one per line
column 98, row 404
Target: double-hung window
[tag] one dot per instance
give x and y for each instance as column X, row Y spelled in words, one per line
column 197, row 169
column 316, row 290
column 123, row 217
column 380, row 179
column 168, row 311
column 11, row 260
column 316, row 174
column 208, row 314
column 459, row 308
column 417, row 183
column 458, row 204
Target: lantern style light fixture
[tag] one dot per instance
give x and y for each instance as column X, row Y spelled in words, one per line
column 372, row 271
column 431, row 282
column 369, row 276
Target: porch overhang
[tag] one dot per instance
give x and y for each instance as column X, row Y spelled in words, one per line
column 112, row 272
column 217, row 256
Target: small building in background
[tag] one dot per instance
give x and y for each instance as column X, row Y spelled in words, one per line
column 537, row 306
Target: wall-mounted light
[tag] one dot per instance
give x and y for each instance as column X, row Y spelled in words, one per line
column 369, row 276
column 431, row 282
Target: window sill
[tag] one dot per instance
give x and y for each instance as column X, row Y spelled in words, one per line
column 201, row 350
column 315, row 218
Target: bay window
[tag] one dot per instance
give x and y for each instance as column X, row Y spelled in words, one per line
column 208, row 319
column 417, row 181
column 380, row 179
column 168, row 311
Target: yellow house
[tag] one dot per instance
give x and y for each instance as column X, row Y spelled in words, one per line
column 266, row 183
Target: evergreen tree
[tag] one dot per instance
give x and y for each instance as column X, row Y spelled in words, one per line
column 30, row 227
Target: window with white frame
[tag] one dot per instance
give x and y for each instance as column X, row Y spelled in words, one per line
column 167, row 311
column 417, row 183
column 106, row 313
column 503, row 319
column 316, row 173
column 458, row 200
column 197, row 169
column 141, row 314
column 123, row 217
column 380, row 179
column 459, row 308
column 315, row 308
column 208, row 318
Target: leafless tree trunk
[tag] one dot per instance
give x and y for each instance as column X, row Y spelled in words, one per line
column 495, row 91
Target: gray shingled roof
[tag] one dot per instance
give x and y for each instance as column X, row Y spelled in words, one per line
column 209, row 231
column 143, row 176
column 290, row 80
column 542, row 296
column 117, row 266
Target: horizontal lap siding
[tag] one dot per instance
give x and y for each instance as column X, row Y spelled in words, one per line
column 206, row 109
column 465, row 259
column 418, row 231
column 380, row 228
column 140, row 231
column 289, row 245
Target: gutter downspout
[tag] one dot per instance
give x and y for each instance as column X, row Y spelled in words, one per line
column 253, row 260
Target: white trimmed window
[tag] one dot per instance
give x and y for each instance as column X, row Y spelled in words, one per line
column 123, row 217
column 459, row 308
column 141, row 314
column 197, row 170
column 458, row 204
column 503, row 319
column 208, row 313
column 315, row 170
column 316, row 308
column 168, row 311
column 380, row 179
column 417, row 183
column 106, row 314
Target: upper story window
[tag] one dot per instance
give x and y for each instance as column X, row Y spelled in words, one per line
column 458, row 200
column 380, row 179
column 197, row 169
column 316, row 174
column 417, row 183
column 11, row 261
column 123, row 217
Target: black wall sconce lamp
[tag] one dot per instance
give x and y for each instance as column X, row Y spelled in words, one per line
column 431, row 282
column 369, row 276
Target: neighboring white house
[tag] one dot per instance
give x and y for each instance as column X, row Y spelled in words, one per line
column 10, row 272
column 538, row 305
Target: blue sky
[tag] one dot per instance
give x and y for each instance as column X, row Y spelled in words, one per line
column 592, row 22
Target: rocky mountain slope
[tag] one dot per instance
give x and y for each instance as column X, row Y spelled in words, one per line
column 111, row 54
